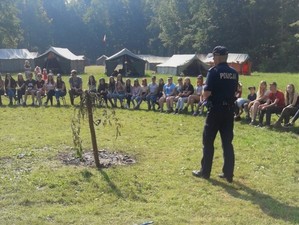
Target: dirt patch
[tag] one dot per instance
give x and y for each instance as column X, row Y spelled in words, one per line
column 107, row 159
column 5, row 159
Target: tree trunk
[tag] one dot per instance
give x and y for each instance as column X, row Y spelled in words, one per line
column 92, row 130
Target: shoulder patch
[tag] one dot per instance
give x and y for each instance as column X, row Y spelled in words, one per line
column 212, row 68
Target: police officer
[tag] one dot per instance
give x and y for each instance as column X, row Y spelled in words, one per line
column 219, row 91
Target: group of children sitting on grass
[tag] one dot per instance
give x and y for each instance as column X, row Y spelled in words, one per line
column 42, row 86
column 266, row 102
column 178, row 98
column 156, row 93
column 181, row 97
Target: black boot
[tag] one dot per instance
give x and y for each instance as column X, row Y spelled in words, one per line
column 149, row 106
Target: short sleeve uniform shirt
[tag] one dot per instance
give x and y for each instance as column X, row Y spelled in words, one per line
column 222, row 82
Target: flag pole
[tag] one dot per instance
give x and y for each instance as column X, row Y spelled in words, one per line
column 105, row 45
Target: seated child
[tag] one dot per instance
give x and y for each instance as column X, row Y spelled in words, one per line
column 242, row 104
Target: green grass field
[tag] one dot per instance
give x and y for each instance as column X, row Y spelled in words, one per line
column 37, row 188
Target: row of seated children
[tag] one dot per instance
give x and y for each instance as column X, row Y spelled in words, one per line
column 264, row 102
column 267, row 102
column 20, row 89
column 156, row 94
column 182, row 93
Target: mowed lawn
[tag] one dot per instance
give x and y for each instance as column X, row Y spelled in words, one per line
column 37, row 188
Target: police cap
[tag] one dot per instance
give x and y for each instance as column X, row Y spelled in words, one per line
column 74, row 71
column 220, row 50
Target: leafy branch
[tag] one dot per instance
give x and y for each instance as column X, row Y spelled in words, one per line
column 88, row 106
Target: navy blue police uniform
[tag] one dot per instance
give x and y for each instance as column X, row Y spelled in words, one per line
column 222, row 82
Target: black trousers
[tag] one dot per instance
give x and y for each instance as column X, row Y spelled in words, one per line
column 50, row 95
column 295, row 117
column 269, row 111
column 128, row 97
column 73, row 93
column 286, row 113
column 219, row 119
column 20, row 93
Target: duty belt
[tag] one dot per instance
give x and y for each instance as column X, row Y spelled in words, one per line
column 221, row 104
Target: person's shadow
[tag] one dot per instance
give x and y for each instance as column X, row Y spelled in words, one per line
column 111, row 184
column 267, row 204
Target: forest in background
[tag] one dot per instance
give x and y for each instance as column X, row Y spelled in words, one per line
column 268, row 30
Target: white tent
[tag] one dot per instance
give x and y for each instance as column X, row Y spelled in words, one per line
column 101, row 60
column 13, row 60
column 188, row 64
column 60, row 60
column 239, row 61
column 232, row 58
column 152, row 61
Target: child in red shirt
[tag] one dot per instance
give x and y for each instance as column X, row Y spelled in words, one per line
column 274, row 104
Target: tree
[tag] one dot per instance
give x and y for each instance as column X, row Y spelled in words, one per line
column 68, row 24
column 10, row 33
column 36, row 26
column 172, row 18
column 122, row 21
column 161, row 27
column 88, row 105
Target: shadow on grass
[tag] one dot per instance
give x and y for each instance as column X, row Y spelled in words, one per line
column 61, row 106
column 86, row 175
column 111, row 184
column 270, row 206
column 294, row 130
column 36, row 106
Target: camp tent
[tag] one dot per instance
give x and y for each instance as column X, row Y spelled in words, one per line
column 152, row 61
column 60, row 60
column 101, row 60
column 132, row 65
column 240, row 62
column 189, row 65
column 13, row 60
